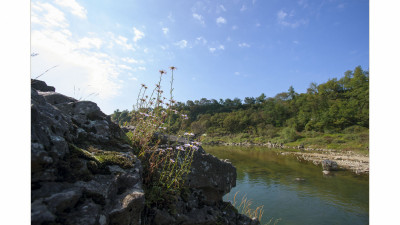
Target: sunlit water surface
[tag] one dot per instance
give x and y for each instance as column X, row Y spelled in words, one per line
column 269, row 178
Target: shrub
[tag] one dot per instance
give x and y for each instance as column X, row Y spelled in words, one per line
column 289, row 134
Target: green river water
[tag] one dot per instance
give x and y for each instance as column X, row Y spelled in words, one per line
column 269, row 178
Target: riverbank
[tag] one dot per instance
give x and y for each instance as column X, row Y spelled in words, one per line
column 346, row 159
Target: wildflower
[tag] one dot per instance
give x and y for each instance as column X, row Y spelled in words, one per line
column 196, row 143
column 195, row 147
column 188, row 134
column 173, row 161
column 187, row 145
column 169, row 148
column 160, row 101
column 162, row 72
column 173, row 68
column 145, row 114
column 142, row 99
column 180, row 148
column 172, row 101
column 158, row 86
column 143, row 85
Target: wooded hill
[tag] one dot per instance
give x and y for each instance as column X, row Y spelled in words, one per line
column 330, row 107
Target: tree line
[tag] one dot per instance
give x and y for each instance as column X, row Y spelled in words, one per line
column 328, row 107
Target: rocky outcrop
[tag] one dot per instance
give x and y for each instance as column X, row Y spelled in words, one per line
column 83, row 171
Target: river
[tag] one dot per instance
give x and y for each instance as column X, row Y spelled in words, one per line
column 295, row 192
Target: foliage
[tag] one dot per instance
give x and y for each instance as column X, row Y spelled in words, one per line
column 165, row 166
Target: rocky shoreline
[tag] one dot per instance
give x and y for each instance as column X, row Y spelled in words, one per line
column 346, row 160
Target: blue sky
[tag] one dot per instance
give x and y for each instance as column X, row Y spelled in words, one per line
column 105, row 49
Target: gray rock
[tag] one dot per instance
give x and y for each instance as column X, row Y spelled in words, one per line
column 40, row 213
column 329, row 165
column 163, row 218
column 55, row 98
column 41, row 85
column 212, row 175
column 64, row 200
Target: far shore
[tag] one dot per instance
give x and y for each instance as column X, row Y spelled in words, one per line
column 346, row 159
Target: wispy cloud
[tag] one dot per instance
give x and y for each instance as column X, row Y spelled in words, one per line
column 48, row 16
column 296, row 42
column 303, row 3
column 122, row 41
column 199, row 18
column 131, row 60
column 73, row 6
column 341, row 6
column 83, row 61
column 213, row 49
column 201, row 40
column 283, row 19
column 221, row 8
column 234, row 27
column 221, row 20
column 88, row 43
column 165, row 30
column 137, row 34
column 243, row 8
column 171, row 17
column 181, row 44
column 244, row 45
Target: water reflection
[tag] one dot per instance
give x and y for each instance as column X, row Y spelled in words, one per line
column 297, row 192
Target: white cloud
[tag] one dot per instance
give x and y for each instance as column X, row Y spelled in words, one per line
column 122, row 41
column 137, row 34
column 170, row 17
column 141, row 68
column 50, row 16
column 258, row 24
column 295, row 42
column 243, row 45
column 201, row 40
column 243, row 8
column 132, row 61
column 234, row 27
column 221, row 20
column 213, row 49
column 181, row 44
column 133, row 78
column 73, row 6
column 282, row 18
column 125, row 67
column 281, row 15
column 237, row 73
column 82, row 63
column 222, row 8
column 341, row 6
column 88, row 43
column 165, row 30
column 199, row 18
